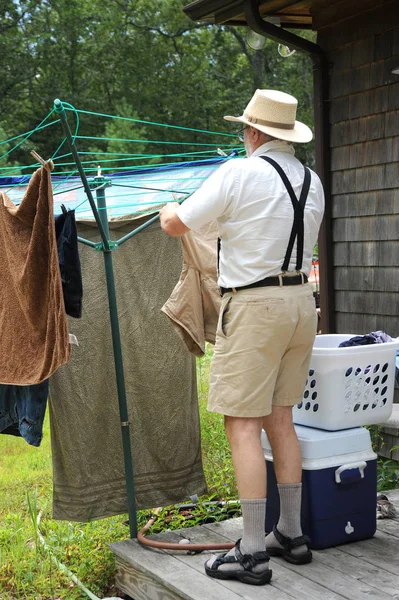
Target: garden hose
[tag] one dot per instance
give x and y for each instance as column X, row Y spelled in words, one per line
column 183, row 545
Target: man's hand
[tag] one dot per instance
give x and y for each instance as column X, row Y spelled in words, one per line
column 170, row 222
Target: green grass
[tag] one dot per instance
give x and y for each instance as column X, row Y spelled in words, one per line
column 26, row 569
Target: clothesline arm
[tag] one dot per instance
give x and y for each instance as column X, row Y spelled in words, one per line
column 61, row 111
column 141, row 227
column 89, row 243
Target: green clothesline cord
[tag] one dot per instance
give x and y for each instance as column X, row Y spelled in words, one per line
column 9, row 169
column 134, row 157
column 106, row 139
column 109, row 209
column 74, row 173
column 28, row 133
column 151, row 122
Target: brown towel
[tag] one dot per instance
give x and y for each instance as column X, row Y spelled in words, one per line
column 193, row 307
column 34, row 338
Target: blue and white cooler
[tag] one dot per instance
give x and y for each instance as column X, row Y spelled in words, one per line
column 339, row 480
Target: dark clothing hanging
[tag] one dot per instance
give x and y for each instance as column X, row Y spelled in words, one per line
column 22, row 410
column 68, row 259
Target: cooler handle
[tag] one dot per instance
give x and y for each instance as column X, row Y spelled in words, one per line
column 361, row 465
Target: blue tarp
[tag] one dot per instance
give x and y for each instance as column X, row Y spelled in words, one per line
column 130, row 191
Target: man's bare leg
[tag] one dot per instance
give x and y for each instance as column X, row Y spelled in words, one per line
column 288, row 468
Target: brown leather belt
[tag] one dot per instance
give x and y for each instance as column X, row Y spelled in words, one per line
column 269, row 281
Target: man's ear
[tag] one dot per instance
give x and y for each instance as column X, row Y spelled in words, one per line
column 255, row 133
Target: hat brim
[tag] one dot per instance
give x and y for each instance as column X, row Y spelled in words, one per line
column 301, row 133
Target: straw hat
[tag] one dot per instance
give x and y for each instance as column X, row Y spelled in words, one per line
column 274, row 113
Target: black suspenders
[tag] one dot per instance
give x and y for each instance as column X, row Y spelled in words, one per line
column 297, row 226
column 299, row 207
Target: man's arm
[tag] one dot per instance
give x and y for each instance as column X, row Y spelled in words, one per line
column 170, row 222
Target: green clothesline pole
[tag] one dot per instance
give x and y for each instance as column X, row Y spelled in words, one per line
column 59, row 109
column 102, row 222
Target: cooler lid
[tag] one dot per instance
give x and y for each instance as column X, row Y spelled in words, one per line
column 318, row 443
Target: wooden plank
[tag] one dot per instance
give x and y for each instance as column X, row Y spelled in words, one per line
column 363, row 129
column 383, row 45
column 389, row 526
column 370, row 280
column 350, row 81
column 371, row 153
column 340, row 157
column 149, row 574
column 333, row 13
column 366, row 228
column 371, row 178
column 376, row 202
column 369, row 102
column 135, row 583
column 392, row 175
column 362, row 52
column 393, row 97
column 339, row 110
column 381, row 71
column 340, row 59
column 360, row 323
column 367, row 302
column 395, row 45
column 368, row 254
column 376, row 577
column 343, row 182
column 394, row 497
column 381, row 551
column 364, row 154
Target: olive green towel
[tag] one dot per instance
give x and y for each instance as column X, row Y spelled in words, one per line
column 89, row 480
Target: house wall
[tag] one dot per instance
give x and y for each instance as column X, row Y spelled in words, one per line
column 361, row 40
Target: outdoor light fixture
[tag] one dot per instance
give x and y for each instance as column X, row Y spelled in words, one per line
column 395, row 71
column 285, row 51
column 256, row 41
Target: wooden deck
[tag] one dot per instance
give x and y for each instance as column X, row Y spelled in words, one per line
column 355, row 571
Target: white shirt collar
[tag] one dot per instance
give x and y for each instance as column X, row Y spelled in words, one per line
column 274, row 146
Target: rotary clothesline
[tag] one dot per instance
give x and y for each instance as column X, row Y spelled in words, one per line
column 180, row 188
column 183, row 177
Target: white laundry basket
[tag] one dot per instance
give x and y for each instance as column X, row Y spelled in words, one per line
column 347, row 387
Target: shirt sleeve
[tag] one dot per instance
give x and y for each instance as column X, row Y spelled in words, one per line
column 212, row 200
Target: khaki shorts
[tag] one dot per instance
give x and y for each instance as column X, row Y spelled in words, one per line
column 263, row 347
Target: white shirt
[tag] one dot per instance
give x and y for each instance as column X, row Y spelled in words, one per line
column 247, row 198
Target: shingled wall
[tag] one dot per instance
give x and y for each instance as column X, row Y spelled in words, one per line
column 363, row 49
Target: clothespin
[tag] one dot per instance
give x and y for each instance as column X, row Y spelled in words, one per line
column 221, row 152
column 47, row 164
column 64, row 210
column 99, row 174
column 176, row 199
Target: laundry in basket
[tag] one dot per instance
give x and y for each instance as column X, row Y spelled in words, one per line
column 347, row 387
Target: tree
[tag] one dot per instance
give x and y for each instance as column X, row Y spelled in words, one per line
column 141, row 57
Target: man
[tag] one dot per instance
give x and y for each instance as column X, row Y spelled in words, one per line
column 267, row 320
